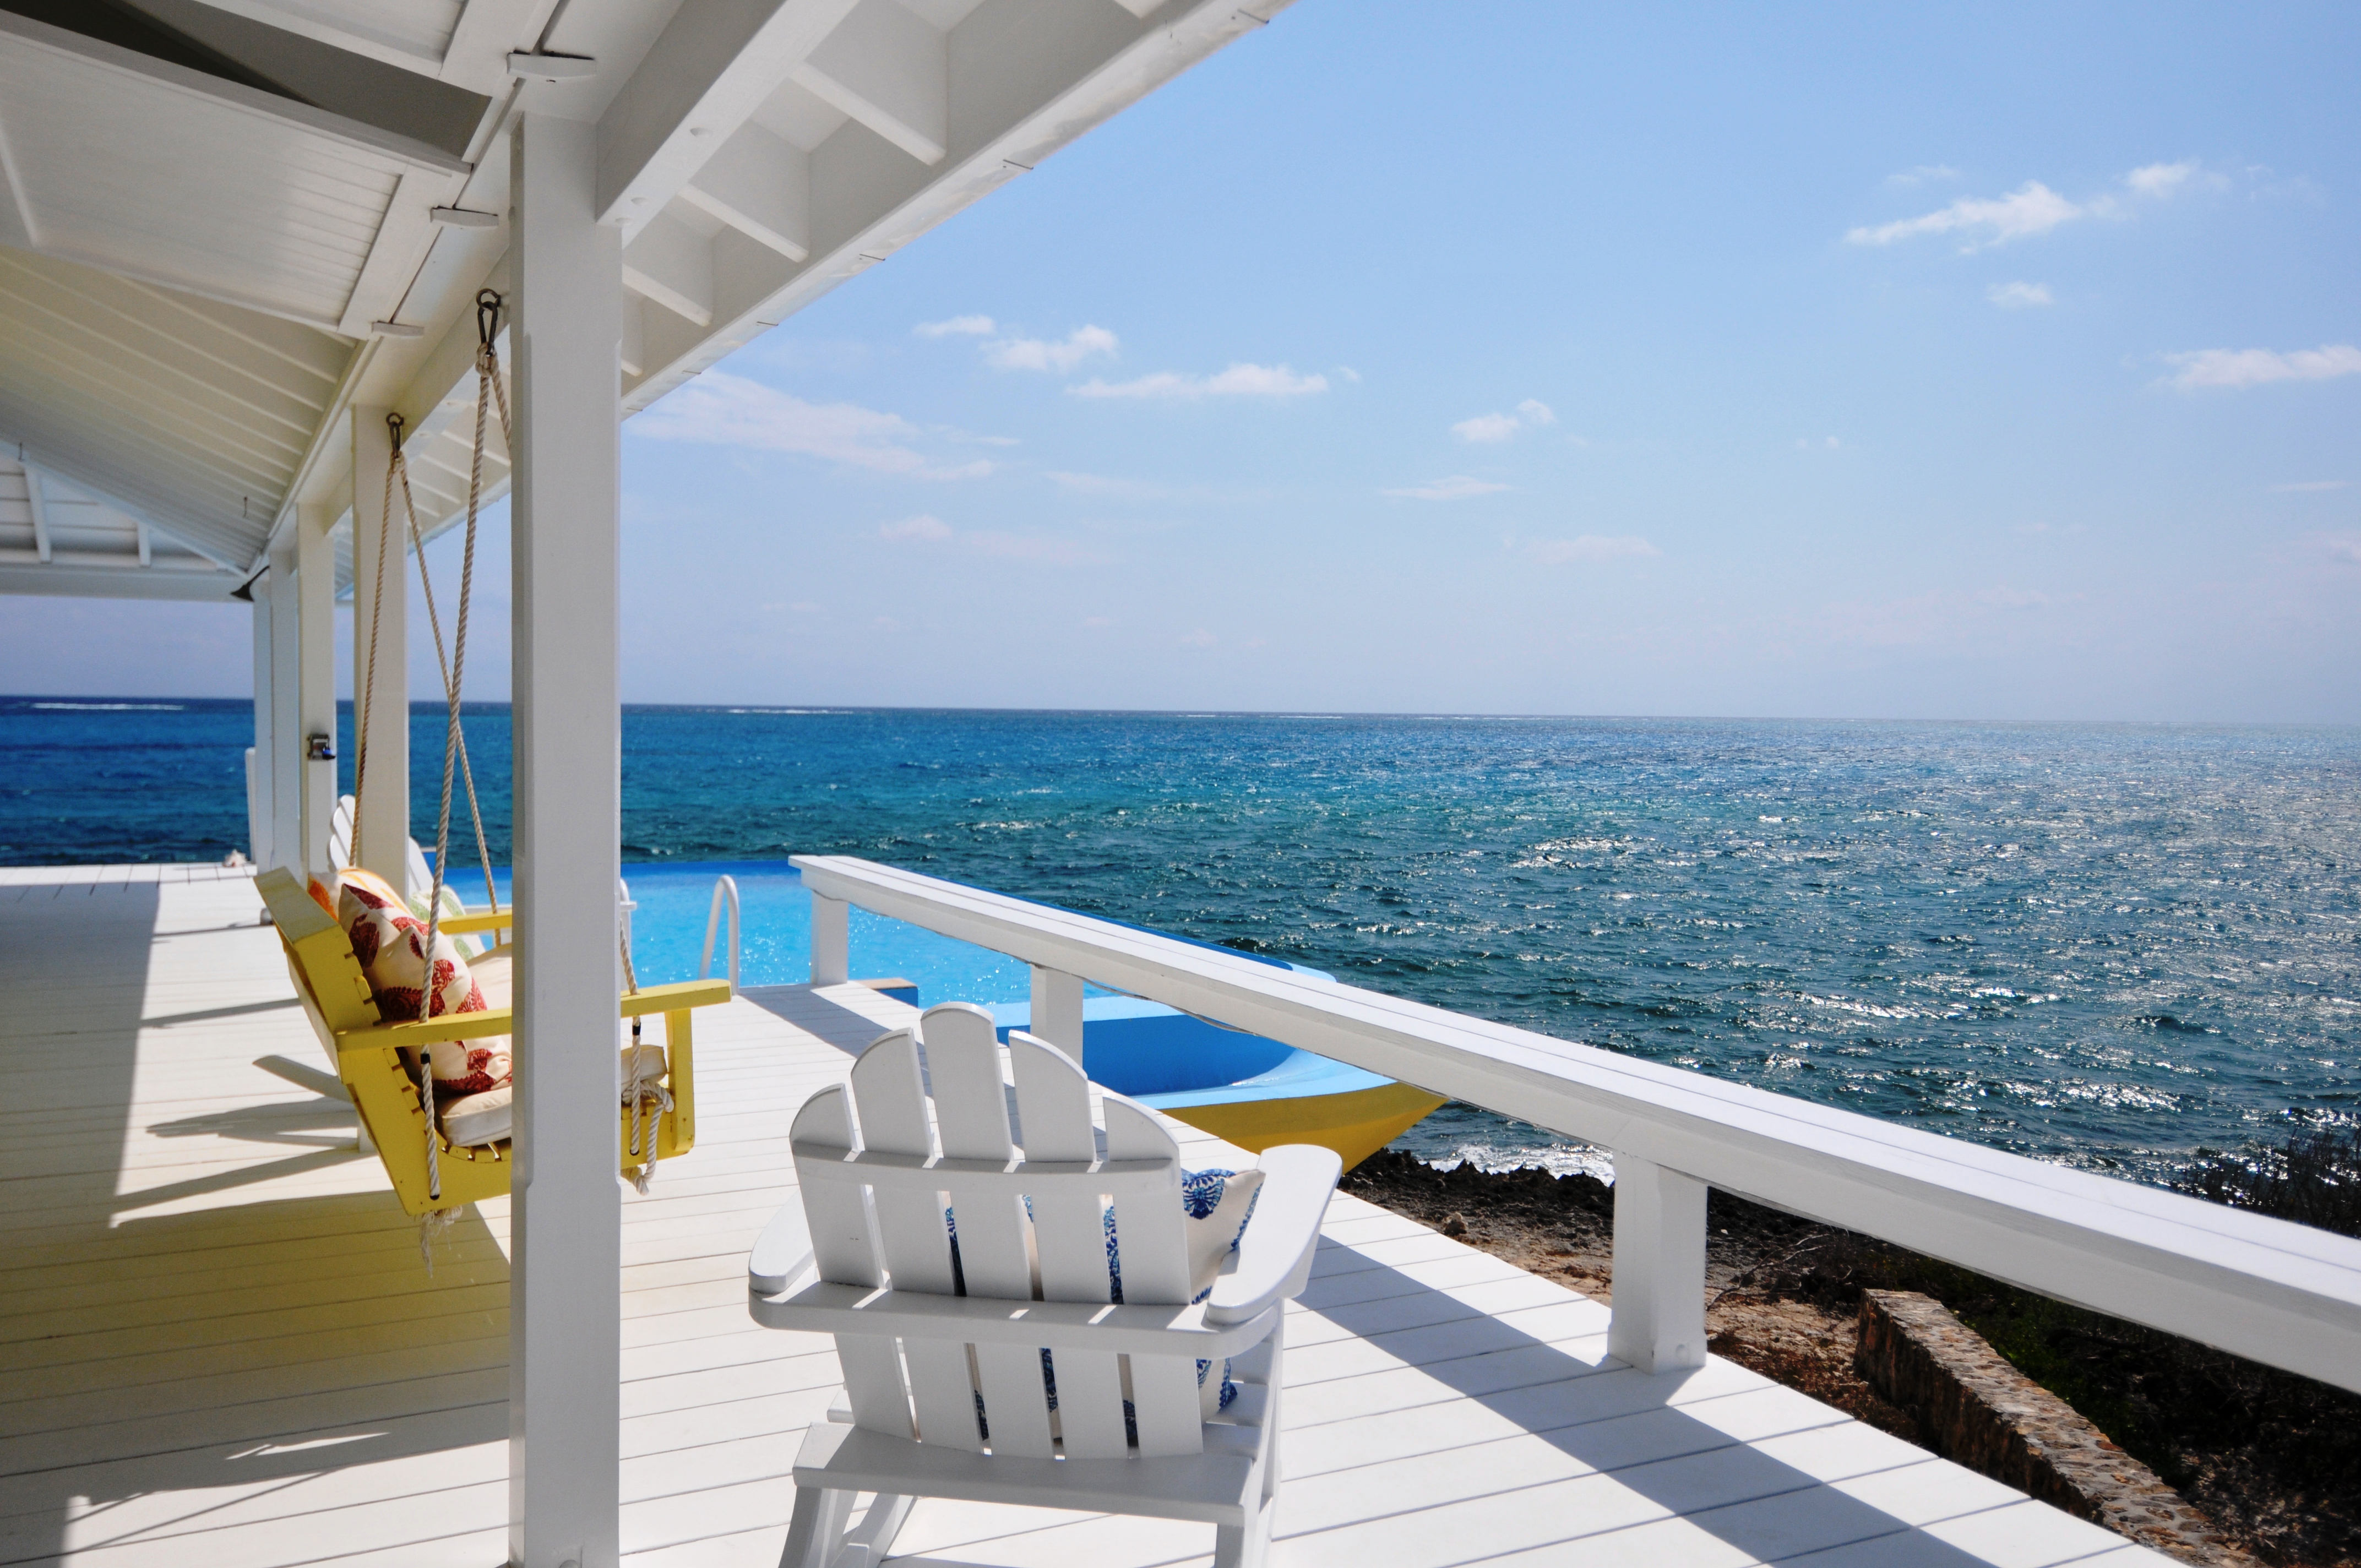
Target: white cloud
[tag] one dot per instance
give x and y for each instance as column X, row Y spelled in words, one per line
column 958, row 327
column 1038, row 353
column 1825, row 442
column 1486, row 429
column 1589, row 547
column 2160, row 179
column 1240, row 381
column 719, row 408
column 2307, row 486
column 1457, row 487
column 1031, row 547
column 2254, row 367
column 1924, row 172
column 932, row 530
column 2032, row 209
column 1201, row 638
column 1102, row 485
column 2020, row 296
column 2347, row 548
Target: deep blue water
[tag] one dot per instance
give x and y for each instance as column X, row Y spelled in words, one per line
column 2103, row 944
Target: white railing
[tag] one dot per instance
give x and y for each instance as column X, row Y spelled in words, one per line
column 2274, row 1292
column 725, row 891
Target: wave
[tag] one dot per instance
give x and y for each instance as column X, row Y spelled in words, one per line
column 114, row 707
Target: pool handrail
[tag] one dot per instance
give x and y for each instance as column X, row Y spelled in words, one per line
column 2276, row 1292
column 725, row 890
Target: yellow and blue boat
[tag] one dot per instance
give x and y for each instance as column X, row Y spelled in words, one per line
column 1245, row 1089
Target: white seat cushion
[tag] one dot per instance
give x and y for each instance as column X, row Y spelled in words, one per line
column 479, row 1118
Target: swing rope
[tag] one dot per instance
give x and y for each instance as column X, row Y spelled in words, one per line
column 487, row 319
column 647, row 1096
column 435, row 621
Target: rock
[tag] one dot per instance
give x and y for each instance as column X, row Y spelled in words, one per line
column 1454, row 1225
column 1977, row 1409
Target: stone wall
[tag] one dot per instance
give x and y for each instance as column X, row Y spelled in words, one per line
column 1976, row 1409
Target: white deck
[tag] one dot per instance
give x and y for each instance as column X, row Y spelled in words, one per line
column 218, row 1343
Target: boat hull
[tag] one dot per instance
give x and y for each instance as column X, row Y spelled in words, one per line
column 1356, row 1123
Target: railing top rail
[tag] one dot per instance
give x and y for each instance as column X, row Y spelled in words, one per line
column 2274, row 1292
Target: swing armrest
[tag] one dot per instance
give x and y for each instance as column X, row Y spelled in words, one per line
column 677, row 997
column 477, row 920
column 492, row 1021
column 411, row 1031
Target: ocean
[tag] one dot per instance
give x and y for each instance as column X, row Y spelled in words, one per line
column 2105, row 945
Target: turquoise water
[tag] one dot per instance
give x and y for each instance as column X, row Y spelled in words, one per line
column 2103, row 945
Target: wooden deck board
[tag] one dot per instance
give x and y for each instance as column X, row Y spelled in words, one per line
column 219, row 1343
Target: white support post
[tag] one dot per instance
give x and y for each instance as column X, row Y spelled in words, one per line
column 316, row 593
column 1659, row 1310
column 565, row 1213
column 831, row 941
column 381, row 829
column 1057, row 1011
column 286, row 708
column 260, row 819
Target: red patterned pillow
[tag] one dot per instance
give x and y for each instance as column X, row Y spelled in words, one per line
column 390, row 943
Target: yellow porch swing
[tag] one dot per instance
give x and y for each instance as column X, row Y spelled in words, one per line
column 382, row 1062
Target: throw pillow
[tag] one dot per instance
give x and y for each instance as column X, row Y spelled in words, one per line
column 390, row 942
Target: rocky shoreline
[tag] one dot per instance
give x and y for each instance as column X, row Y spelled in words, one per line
column 2273, row 1461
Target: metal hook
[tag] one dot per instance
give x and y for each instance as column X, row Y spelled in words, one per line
column 393, row 424
column 487, row 316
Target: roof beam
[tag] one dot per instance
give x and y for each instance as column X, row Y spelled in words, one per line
column 759, row 184
column 706, row 73
column 890, row 70
column 672, row 264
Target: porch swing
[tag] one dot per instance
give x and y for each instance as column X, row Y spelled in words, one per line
column 384, row 1062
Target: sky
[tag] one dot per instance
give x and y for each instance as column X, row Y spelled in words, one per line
column 1972, row 361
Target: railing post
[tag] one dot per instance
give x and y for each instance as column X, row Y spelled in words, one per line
column 1057, row 1011
column 832, row 941
column 1659, row 1309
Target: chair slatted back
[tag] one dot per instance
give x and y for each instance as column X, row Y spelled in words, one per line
column 1030, row 1222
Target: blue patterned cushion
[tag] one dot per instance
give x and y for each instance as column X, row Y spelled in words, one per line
column 1213, row 1230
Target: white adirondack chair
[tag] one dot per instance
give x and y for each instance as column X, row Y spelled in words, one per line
column 944, row 1392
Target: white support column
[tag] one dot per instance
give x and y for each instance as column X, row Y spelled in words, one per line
column 382, row 829
column 260, row 819
column 1057, row 1011
column 316, row 593
column 831, row 941
column 565, row 1289
column 1659, row 1312
column 286, row 708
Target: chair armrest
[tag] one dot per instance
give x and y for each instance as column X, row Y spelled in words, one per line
column 781, row 1258
column 829, row 1308
column 676, row 997
column 475, row 920
column 1275, row 1255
